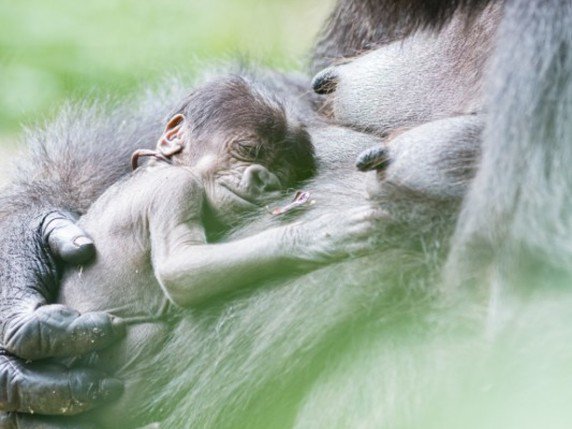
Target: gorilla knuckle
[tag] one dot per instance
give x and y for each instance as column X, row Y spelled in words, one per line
column 9, row 383
column 43, row 332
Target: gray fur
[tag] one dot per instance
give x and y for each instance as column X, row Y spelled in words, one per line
column 422, row 78
column 371, row 342
column 357, row 26
column 515, row 227
column 437, row 159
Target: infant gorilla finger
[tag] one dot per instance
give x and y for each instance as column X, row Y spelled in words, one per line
column 52, row 389
column 366, row 224
column 366, row 219
column 65, row 239
column 24, row 421
column 346, row 234
column 59, row 331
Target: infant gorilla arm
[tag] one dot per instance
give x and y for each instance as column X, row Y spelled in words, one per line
column 190, row 271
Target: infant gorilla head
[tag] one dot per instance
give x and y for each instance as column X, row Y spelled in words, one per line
column 244, row 143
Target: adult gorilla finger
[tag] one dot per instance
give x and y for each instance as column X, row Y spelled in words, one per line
column 57, row 331
column 24, row 421
column 52, row 389
column 65, row 239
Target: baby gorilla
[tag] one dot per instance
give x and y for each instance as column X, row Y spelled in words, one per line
column 230, row 148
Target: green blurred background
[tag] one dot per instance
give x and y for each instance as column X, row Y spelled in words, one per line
column 52, row 50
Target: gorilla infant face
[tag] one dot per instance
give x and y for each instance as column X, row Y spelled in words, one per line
column 245, row 145
column 241, row 172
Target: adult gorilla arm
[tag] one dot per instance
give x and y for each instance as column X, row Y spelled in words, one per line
column 71, row 162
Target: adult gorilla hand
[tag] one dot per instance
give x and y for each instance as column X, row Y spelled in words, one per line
column 32, row 249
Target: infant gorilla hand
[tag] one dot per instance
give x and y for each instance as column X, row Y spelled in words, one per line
column 332, row 237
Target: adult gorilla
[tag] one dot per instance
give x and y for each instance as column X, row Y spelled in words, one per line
column 364, row 343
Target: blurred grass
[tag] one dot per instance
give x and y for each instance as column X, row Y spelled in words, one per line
column 51, row 50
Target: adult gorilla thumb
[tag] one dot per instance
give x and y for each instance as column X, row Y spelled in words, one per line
column 66, row 240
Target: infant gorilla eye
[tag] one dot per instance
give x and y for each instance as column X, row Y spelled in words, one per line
column 245, row 150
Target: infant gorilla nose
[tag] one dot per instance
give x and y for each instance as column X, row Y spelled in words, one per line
column 258, row 180
column 325, row 82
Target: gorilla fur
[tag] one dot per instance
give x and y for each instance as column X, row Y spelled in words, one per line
column 374, row 342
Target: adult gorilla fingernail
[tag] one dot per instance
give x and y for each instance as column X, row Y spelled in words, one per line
column 82, row 240
column 83, row 251
column 110, row 388
column 119, row 326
